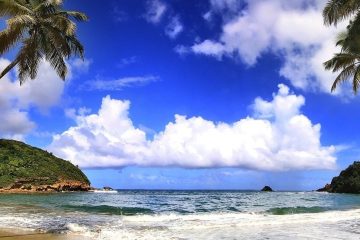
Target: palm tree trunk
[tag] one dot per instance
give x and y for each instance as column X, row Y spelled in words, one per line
column 9, row 67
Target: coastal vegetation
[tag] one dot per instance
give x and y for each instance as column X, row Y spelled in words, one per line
column 347, row 182
column 24, row 167
column 347, row 61
column 45, row 31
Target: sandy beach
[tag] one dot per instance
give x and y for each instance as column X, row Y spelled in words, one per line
column 17, row 234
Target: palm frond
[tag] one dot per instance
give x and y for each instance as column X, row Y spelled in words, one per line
column 51, row 37
column 12, row 8
column 340, row 38
column 56, row 59
column 23, row 19
column 57, row 2
column 9, row 67
column 64, row 24
column 78, row 16
column 9, row 38
column 45, row 30
column 351, row 42
column 341, row 61
column 46, row 7
column 75, row 46
column 343, row 76
column 356, row 80
column 338, row 10
column 29, row 58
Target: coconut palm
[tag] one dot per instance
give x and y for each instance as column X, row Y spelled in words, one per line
column 348, row 63
column 338, row 10
column 348, row 60
column 44, row 30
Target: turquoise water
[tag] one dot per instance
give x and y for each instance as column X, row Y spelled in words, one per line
column 187, row 214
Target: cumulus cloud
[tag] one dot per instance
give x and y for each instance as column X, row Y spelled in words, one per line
column 293, row 30
column 118, row 84
column 174, row 28
column 155, row 11
column 276, row 137
column 42, row 93
column 16, row 100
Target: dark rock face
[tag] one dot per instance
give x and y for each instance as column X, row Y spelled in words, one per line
column 327, row 188
column 347, row 182
column 266, row 189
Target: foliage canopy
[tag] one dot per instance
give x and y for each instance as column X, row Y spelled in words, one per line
column 45, row 31
column 21, row 161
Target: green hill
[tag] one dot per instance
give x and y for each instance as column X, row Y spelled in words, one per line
column 28, row 168
column 347, row 182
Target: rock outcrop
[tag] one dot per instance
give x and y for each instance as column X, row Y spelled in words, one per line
column 27, row 169
column 347, row 182
column 326, row 188
column 59, row 186
column 266, row 189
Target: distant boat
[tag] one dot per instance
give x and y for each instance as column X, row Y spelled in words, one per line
column 105, row 190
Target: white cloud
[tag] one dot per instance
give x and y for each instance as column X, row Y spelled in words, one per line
column 43, row 93
column 107, row 138
column 276, row 137
column 293, row 30
column 155, row 11
column 16, row 100
column 118, row 84
column 79, row 65
column 226, row 8
column 225, row 5
column 14, row 121
column 127, row 61
column 174, row 28
column 209, row 47
column 182, row 50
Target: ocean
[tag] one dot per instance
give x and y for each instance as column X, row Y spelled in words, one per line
column 145, row 214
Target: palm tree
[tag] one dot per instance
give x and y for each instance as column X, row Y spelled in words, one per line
column 348, row 60
column 44, row 30
column 338, row 10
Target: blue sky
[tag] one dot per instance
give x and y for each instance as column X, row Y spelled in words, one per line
column 211, row 94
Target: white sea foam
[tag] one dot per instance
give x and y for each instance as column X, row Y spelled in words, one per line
column 326, row 225
column 73, row 227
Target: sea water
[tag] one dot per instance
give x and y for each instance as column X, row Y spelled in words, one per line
column 142, row 214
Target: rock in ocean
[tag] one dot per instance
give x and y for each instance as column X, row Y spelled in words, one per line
column 266, row 189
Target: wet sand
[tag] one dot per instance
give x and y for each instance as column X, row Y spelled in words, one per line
column 14, row 234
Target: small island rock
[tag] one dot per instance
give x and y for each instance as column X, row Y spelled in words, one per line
column 267, row 189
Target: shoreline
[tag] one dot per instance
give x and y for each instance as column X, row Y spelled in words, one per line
column 17, row 234
column 37, row 192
